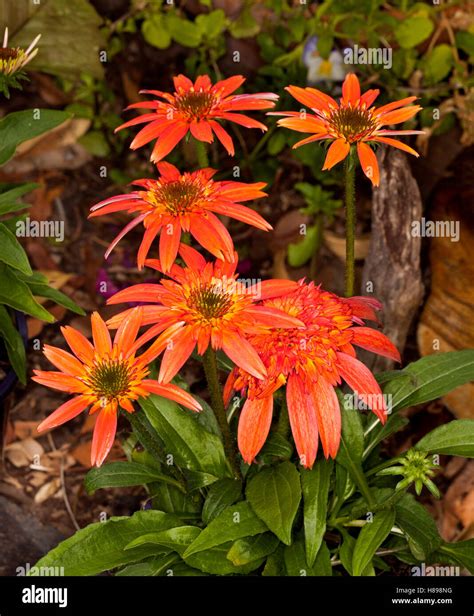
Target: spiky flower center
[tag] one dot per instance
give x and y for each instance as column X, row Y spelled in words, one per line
column 351, row 123
column 179, row 197
column 110, row 378
column 8, row 53
column 195, row 105
column 210, row 301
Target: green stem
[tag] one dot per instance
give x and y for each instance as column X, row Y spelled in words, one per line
column 349, row 178
column 201, row 153
column 209, row 362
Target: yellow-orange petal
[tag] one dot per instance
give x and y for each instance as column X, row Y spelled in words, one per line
column 243, row 354
column 169, row 245
column 65, row 412
column 368, row 162
column 328, row 415
column 100, row 334
column 172, row 392
column 254, row 425
column 176, row 355
column 398, row 144
column 63, row 360
column 351, row 89
column 338, row 150
column 78, row 343
column 128, row 330
column 104, row 434
column 304, row 425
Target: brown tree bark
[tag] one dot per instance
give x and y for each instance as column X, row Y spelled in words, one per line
column 392, row 269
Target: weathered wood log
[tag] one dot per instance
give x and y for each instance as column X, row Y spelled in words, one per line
column 392, row 270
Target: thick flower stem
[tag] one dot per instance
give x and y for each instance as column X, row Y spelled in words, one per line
column 201, row 154
column 210, row 368
column 349, row 179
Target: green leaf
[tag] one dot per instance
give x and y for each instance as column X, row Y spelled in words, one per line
column 274, row 494
column 15, row 293
column 301, row 252
column 14, row 344
column 42, row 289
column 215, row 561
column 184, row 438
column 346, row 554
column 221, row 494
column 455, row 438
column 250, row 549
column 276, row 143
column 431, row 377
column 325, row 45
column 9, row 196
column 461, row 553
column 95, row 143
column 121, row 474
column 413, row 31
column 20, row 126
column 393, row 424
column 418, row 526
column 370, row 538
column 184, row 32
column 175, row 539
column 73, row 27
column 465, row 41
column 233, row 523
column 297, row 566
column 101, row 546
column 155, row 32
column 437, row 64
column 151, row 567
column 315, row 485
column 211, row 24
column 12, row 253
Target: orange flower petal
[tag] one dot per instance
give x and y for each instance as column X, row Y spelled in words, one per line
column 168, row 139
column 242, row 354
column 78, row 343
column 146, row 243
column 376, row 342
column 65, row 412
column 100, row 334
column 59, row 381
column 351, row 89
column 128, row 330
column 398, row 144
column 172, row 392
column 338, row 150
column 223, row 137
column 169, row 245
column 211, row 233
column 368, row 162
column 304, row 425
column 201, row 131
column 63, row 360
column 362, row 381
column 104, row 434
column 254, row 425
column 176, row 355
column 328, row 415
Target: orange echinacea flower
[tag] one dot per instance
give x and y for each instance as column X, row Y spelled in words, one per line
column 195, row 107
column 311, row 362
column 184, row 202
column 351, row 122
column 206, row 305
column 106, row 375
